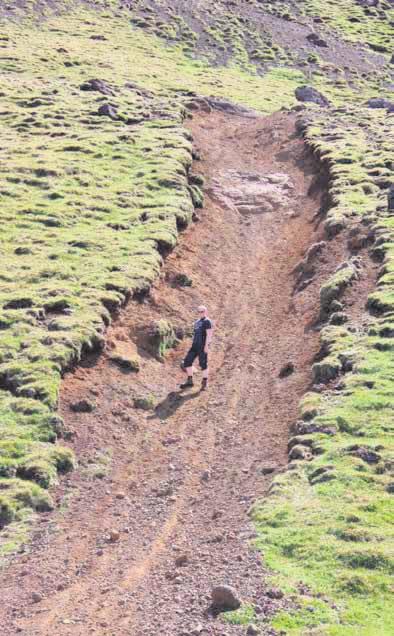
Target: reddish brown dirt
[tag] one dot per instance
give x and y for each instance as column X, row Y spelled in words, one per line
column 179, row 480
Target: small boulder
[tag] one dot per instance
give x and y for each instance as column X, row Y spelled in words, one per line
column 275, row 593
column 365, row 453
column 380, row 102
column 82, row 406
column 315, row 39
column 126, row 363
column 97, row 85
column 300, row 452
column 287, row 370
column 390, row 199
column 252, row 630
column 225, row 598
column 268, row 469
column 114, row 536
column 181, row 560
column 108, row 110
column 309, row 94
column 36, row 597
column 182, row 280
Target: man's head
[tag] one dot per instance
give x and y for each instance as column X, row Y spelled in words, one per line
column 202, row 311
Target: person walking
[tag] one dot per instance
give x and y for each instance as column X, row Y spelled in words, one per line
column 202, row 337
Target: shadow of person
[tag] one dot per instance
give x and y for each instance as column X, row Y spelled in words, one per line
column 172, row 403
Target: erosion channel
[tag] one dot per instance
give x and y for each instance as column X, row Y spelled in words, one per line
column 156, row 513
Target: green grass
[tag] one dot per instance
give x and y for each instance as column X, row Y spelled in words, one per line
column 368, row 26
column 329, row 521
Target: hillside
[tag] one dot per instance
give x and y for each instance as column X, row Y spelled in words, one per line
column 156, row 155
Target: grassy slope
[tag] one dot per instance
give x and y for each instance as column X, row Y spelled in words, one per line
column 84, row 249
column 87, row 202
column 351, row 20
column 328, row 522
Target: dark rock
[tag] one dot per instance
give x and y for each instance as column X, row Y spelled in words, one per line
column 294, row 441
column 108, row 110
column 286, row 370
column 182, row 560
column 268, row 469
column 101, row 38
column 36, row 597
column 22, row 251
column 224, row 598
column 252, row 630
column 380, row 102
column 97, row 85
column 315, row 39
column 338, row 318
column 205, row 475
column 390, row 199
column 275, row 593
column 82, row 406
column 322, row 474
column 300, row 452
column 309, row 94
column 182, row 280
column 228, row 107
column 142, row 92
column 365, row 453
column 199, row 103
column 306, row 428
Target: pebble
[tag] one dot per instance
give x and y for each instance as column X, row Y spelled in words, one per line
column 275, row 593
column 205, row 475
column 114, row 536
column 182, row 560
column 36, row 597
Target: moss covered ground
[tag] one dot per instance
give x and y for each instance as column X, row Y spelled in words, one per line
column 94, row 187
column 327, row 527
column 364, row 22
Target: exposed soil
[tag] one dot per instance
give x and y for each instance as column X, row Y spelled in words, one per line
column 180, row 479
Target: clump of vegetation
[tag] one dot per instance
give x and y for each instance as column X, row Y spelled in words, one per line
column 146, row 402
column 126, row 363
column 162, row 337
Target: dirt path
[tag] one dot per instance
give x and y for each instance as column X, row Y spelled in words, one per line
column 176, row 483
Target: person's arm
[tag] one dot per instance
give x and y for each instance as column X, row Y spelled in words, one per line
column 208, row 339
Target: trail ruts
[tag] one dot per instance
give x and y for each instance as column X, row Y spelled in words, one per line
column 178, row 481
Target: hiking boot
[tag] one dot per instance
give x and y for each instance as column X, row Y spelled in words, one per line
column 189, row 382
column 204, row 384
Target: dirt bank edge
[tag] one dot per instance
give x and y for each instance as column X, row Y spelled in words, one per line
column 325, row 530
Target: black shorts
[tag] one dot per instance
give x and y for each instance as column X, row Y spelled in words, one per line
column 191, row 355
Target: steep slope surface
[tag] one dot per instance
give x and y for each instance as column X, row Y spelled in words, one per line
column 96, row 185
